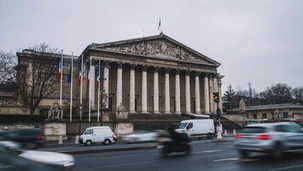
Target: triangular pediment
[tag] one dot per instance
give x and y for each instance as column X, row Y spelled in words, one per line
column 160, row 46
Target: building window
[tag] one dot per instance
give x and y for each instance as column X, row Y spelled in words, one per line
column 285, row 114
column 4, row 103
column 110, row 103
column 264, row 116
column 255, row 116
column 194, row 106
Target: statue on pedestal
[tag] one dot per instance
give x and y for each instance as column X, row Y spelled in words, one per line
column 104, row 98
column 121, row 112
column 55, row 112
column 241, row 105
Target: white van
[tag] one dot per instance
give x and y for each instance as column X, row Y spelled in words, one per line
column 197, row 128
column 97, row 134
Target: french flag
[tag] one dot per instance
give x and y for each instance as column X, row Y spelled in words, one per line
column 80, row 71
column 60, row 67
column 88, row 71
column 98, row 77
column 159, row 26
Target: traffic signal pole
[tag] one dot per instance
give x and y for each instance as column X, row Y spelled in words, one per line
column 219, row 113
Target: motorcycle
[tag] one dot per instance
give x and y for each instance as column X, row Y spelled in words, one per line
column 167, row 146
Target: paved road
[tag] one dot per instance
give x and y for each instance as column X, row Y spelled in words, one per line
column 205, row 156
column 72, row 148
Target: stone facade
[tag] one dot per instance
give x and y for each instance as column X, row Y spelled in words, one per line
column 154, row 74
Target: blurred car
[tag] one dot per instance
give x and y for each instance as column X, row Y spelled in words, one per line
column 59, row 161
column 10, row 161
column 28, row 138
column 141, row 136
column 299, row 122
column 270, row 138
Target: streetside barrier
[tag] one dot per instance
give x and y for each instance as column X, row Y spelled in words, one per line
column 77, row 139
column 60, row 140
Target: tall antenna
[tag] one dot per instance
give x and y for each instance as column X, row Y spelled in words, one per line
column 250, row 91
column 143, row 32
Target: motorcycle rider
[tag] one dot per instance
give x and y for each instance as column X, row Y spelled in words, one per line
column 178, row 138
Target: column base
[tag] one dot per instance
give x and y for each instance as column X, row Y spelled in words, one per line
column 132, row 112
column 156, row 112
column 167, row 113
column 207, row 112
column 144, row 112
column 178, row 113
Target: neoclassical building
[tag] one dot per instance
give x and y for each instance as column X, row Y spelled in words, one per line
column 155, row 74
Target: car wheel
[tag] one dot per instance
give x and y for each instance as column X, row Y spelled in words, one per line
column 106, row 142
column 244, row 153
column 277, row 152
column 209, row 136
column 88, row 143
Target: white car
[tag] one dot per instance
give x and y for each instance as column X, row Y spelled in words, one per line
column 141, row 136
column 54, row 159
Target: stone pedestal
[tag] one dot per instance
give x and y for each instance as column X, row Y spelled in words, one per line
column 124, row 128
column 53, row 131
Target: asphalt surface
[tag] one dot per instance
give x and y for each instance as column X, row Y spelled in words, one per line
column 70, row 146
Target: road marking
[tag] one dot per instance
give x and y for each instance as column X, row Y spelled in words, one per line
column 127, row 164
column 209, row 151
column 227, row 159
column 286, row 168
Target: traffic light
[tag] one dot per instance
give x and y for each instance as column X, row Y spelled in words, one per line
column 216, row 97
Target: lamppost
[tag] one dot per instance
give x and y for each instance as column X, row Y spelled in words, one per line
column 80, row 118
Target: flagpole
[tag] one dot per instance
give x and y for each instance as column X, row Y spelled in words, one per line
column 89, row 92
column 71, row 90
column 98, row 117
column 61, row 73
column 81, row 80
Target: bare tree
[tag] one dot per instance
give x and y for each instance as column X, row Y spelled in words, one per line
column 36, row 77
column 277, row 94
column 298, row 94
column 7, row 62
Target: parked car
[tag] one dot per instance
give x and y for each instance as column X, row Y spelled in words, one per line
column 270, row 138
column 58, row 161
column 141, row 136
column 27, row 138
column 98, row 134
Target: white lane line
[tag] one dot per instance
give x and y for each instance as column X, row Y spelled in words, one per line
column 286, row 168
column 127, row 164
column 209, row 151
column 227, row 159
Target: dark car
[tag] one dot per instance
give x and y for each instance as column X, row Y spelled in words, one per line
column 28, row 138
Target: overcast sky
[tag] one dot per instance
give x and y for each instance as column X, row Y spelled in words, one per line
column 257, row 41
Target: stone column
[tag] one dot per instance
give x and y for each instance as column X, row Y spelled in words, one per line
column 156, row 90
column 211, row 89
column 197, row 93
column 119, row 85
column 215, row 90
column 167, row 92
column 187, row 93
column 106, row 81
column 206, row 94
column 177, row 91
column 92, row 87
column 144, row 90
column 132, row 90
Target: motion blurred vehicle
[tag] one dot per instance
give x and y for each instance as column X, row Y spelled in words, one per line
column 141, row 136
column 98, row 134
column 270, row 138
column 58, row 161
column 9, row 161
column 299, row 122
column 166, row 145
column 27, row 138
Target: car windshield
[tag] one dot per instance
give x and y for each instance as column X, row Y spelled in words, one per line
column 182, row 125
column 299, row 123
column 254, row 130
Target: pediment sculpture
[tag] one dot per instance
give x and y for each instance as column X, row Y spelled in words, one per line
column 160, row 49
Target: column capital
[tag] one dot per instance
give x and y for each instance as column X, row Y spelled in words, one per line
column 106, row 64
column 188, row 72
column 144, row 68
column 156, row 68
column 132, row 66
column 198, row 73
column 177, row 71
column 120, row 64
column 167, row 70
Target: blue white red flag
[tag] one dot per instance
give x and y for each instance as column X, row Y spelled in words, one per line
column 159, row 26
column 98, row 77
column 88, row 71
column 69, row 78
column 60, row 67
column 80, row 70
